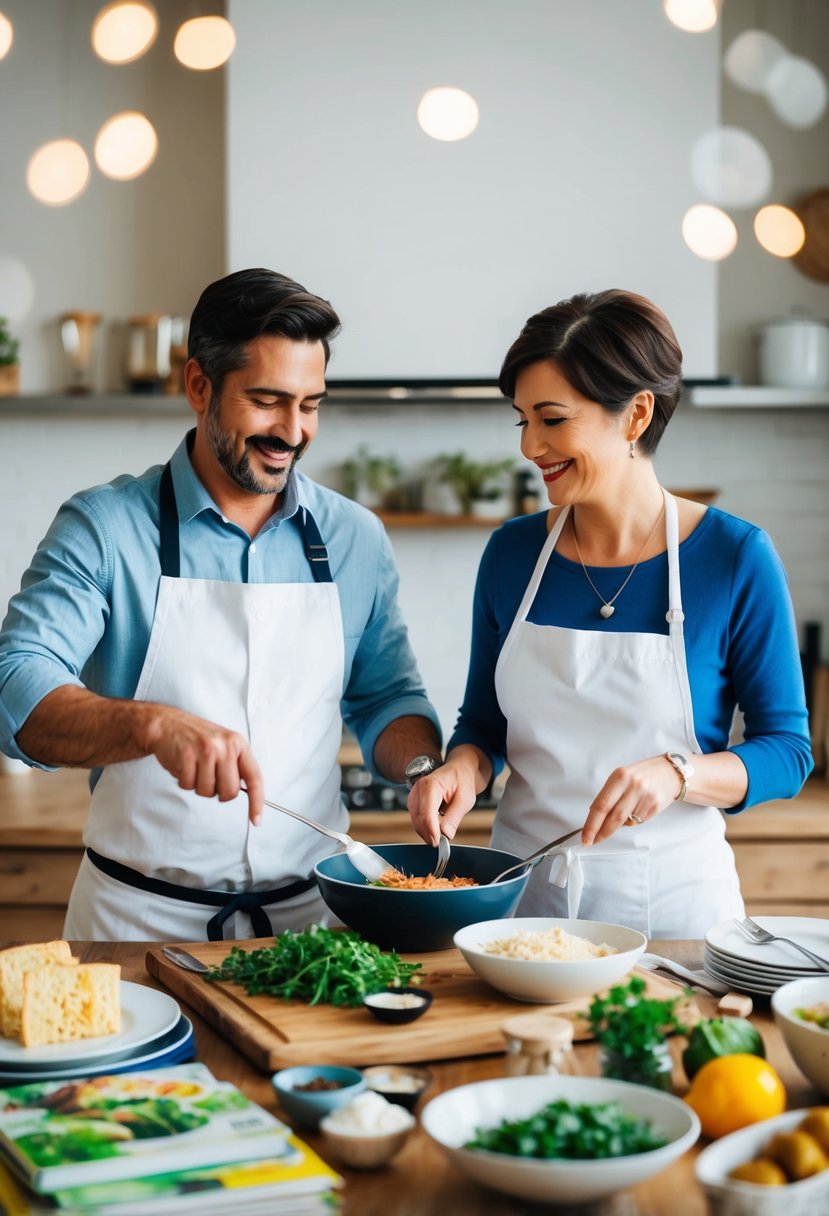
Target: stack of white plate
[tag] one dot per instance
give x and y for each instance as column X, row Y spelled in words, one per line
column 154, row 1031
column 762, row 969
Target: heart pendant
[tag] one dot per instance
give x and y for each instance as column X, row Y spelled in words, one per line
column 607, row 611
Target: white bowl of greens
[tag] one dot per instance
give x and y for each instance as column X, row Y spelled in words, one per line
column 648, row 1128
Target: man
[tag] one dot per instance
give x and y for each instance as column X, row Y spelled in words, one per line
column 196, row 635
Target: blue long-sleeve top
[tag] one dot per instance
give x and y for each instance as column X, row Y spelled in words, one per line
column 85, row 609
column 740, row 638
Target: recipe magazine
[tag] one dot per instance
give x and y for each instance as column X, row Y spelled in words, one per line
column 301, row 1184
column 62, row 1134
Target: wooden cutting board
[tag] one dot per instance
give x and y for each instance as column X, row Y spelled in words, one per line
column 464, row 1019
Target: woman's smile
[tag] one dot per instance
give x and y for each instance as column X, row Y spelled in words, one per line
column 552, row 472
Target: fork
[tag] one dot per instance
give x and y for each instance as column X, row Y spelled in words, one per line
column 444, row 850
column 756, row 933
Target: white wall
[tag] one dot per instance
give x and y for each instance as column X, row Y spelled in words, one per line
column 435, row 253
column 149, row 245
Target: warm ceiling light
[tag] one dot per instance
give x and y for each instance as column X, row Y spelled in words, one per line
column 709, row 232
column 6, row 35
column 125, row 146
column 124, row 30
column 730, row 167
column 447, row 113
column 693, row 16
column 204, row 43
column 750, row 58
column 57, row 172
column 779, row 231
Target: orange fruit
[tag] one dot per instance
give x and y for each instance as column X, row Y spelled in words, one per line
column 731, row 1092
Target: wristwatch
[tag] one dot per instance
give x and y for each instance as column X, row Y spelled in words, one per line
column 420, row 767
column 685, row 769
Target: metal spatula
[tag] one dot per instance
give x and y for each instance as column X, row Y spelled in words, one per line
column 360, row 855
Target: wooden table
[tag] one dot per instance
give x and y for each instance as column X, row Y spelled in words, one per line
column 420, row 1181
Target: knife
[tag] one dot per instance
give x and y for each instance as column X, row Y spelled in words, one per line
column 184, row 959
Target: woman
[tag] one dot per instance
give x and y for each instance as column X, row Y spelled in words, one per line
column 613, row 638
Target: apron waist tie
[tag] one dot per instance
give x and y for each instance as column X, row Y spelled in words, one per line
column 252, row 902
column 567, row 871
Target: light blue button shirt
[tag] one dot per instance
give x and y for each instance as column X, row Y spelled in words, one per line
column 85, row 609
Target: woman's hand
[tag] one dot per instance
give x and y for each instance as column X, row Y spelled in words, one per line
column 631, row 795
column 438, row 802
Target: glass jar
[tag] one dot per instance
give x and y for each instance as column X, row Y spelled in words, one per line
column 537, row 1044
column 653, row 1068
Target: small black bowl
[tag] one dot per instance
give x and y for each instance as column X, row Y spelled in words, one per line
column 383, row 1006
column 402, row 1084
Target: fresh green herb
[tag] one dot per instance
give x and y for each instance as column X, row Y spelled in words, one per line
column 577, row 1132
column 320, row 966
column 629, row 1024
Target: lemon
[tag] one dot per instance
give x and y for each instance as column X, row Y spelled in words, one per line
column 731, row 1092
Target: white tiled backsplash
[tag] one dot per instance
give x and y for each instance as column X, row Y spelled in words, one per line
column 769, row 465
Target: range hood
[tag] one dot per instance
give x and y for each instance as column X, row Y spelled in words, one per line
column 411, row 390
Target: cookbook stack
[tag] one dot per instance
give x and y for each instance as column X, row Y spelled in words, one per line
column 149, row 1142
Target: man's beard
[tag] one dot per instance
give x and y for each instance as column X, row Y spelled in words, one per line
column 240, row 471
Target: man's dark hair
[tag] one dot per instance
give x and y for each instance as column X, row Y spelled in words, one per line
column 234, row 310
column 608, row 346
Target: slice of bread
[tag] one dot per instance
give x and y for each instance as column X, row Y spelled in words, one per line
column 14, row 963
column 62, row 1003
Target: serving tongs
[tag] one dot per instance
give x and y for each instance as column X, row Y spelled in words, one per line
column 364, row 859
column 534, row 858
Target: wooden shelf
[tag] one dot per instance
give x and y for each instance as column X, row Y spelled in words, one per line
column 760, row 396
column 430, row 519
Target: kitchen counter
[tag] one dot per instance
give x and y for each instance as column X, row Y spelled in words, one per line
column 421, row 1181
column 782, row 848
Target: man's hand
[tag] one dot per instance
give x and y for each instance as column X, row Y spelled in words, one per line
column 438, row 802
column 77, row 728
column 205, row 757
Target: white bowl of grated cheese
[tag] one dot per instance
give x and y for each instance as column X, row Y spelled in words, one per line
column 368, row 1132
column 548, row 959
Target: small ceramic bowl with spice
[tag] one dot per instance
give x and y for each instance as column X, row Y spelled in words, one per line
column 400, row 1084
column 309, row 1092
column 367, row 1132
column 398, row 1005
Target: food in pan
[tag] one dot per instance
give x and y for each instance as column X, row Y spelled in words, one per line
column 411, row 882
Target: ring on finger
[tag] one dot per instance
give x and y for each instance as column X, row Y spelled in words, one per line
column 632, row 819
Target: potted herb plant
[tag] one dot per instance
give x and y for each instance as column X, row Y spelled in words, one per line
column 9, row 365
column 632, row 1031
column 369, row 479
column 481, row 487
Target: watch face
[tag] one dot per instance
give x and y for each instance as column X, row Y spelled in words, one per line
column 420, row 766
column 681, row 763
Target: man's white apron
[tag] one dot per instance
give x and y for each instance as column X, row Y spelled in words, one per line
column 262, row 659
column 578, row 704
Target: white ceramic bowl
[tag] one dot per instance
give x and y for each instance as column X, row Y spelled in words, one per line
column 453, row 1118
column 729, row 1197
column 556, row 981
column 808, row 1044
column 365, row 1150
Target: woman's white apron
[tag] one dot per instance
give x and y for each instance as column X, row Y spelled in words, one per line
column 578, row 704
column 262, row 659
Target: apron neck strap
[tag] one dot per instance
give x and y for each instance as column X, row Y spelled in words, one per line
column 170, row 550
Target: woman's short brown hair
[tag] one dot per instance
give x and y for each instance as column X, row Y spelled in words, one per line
column 609, row 346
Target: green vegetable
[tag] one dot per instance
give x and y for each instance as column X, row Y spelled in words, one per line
column 577, row 1132
column 715, row 1037
column 629, row 1024
column 320, row 966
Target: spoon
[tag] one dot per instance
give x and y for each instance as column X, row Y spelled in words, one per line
column 444, row 851
column 534, row 858
column 364, row 859
column 183, row 959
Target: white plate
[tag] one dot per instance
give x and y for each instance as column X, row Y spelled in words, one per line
column 155, row 1053
column 740, row 984
column 808, row 930
column 146, row 1014
column 760, row 973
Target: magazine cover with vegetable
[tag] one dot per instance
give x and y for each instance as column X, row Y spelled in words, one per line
column 59, row 1134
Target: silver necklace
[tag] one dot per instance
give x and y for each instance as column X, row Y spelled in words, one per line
column 607, row 608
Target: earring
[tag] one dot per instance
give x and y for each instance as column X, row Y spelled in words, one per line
column 630, row 451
